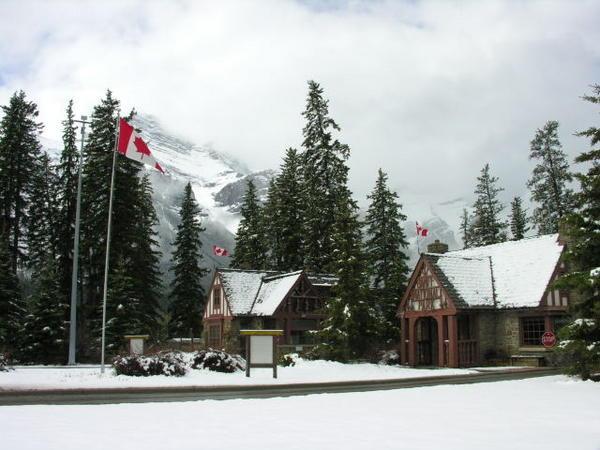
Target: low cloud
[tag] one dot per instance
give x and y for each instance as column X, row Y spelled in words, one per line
column 428, row 91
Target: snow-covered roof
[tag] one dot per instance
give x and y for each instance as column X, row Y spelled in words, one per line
column 470, row 277
column 272, row 292
column 256, row 292
column 241, row 287
column 517, row 271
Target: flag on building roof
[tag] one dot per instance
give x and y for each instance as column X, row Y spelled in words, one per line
column 219, row 251
column 133, row 146
column 421, row 231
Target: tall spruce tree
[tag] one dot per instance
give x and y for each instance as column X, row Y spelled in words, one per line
column 325, row 179
column 271, row 217
column 518, row 219
column 465, row 228
column 549, row 180
column 145, row 259
column 580, row 339
column 187, row 293
column 66, row 198
column 385, row 253
column 289, row 184
column 122, row 308
column 250, row 242
column 12, row 309
column 283, row 213
column 349, row 329
column 487, row 227
column 19, row 167
column 45, row 329
column 41, row 230
column 132, row 239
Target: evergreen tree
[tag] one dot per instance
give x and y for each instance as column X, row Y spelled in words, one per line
column 465, row 228
column 11, row 305
column 325, row 179
column 145, row 259
column 98, row 155
column 122, row 309
column 283, row 213
column 133, row 240
column 250, row 242
column 187, row 294
column 41, row 232
column 66, row 200
column 487, row 227
column 271, row 217
column 580, row 339
column 518, row 219
column 349, row 328
column 19, row 166
column 385, row 252
column 45, row 330
column 548, row 183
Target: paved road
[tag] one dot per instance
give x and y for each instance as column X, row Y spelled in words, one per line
column 192, row 393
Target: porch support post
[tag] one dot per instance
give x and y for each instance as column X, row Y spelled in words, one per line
column 440, row 326
column 403, row 339
column 452, row 342
column 412, row 345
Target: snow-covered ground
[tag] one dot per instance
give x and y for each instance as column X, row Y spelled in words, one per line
column 543, row 413
column 303, row 372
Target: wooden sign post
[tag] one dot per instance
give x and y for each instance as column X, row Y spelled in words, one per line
column 261, row 349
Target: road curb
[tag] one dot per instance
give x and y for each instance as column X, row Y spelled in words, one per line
column 193, row 393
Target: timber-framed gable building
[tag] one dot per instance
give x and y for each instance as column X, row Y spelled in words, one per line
column 471, row 307
column 292, row 301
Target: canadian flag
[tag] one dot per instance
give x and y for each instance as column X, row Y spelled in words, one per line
column 133, row 146
column 421, row 231
column 218, row 251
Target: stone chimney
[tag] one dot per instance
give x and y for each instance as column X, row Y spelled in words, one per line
column 437, row 247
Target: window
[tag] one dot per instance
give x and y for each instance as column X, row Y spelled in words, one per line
column 217, row 297
column 532, row 330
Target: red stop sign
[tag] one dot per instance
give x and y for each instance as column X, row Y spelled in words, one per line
column 548, row 339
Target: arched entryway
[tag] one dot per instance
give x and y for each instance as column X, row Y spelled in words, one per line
column 426, row 334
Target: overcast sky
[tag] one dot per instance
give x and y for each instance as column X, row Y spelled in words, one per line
column 429, row 91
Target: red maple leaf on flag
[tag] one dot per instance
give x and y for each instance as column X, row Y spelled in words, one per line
column 219, row 251
column 141, row 146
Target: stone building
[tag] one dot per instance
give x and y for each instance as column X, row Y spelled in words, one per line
column 257, row 299
column 484, row 304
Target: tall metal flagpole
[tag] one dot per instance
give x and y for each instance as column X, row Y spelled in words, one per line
column 74, row 273
column 108, row 231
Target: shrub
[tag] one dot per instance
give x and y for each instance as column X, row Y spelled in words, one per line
column 169, row 364
column 389, row 358
column 218, row 361
column 287, row 360
column 4, row 363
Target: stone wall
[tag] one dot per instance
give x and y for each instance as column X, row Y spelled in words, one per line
column 508, row 332
column 486, row 335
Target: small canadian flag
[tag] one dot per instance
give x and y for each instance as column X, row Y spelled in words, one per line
column 133, row 146
column 421, row 231
column 219, row 251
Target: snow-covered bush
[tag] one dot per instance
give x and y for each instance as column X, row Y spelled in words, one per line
column 389, row 358
column 218, row 361
column 288, row 359
column 4, row 365
column 170, row 364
